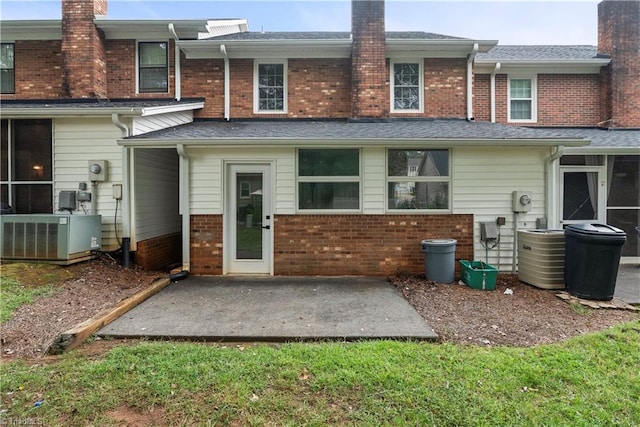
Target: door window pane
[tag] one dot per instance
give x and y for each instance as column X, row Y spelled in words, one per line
column 249, row 216
column 580, row 196
column 623, row 181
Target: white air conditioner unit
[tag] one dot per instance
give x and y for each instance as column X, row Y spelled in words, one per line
column 59, row 239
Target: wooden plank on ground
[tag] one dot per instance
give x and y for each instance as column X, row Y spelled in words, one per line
column 72, row 338
column 615, row 303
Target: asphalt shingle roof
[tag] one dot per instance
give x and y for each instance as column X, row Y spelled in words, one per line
column 602, row 138
column 350, row 130
column 327, row 35
column 540, row 53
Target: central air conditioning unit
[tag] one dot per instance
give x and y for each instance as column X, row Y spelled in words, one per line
column 52, row 238
column 541, row 258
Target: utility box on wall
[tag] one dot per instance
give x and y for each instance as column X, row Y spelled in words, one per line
column 522, row 201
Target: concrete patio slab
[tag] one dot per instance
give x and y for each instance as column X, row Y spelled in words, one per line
column 628, row 284
column 274, row 309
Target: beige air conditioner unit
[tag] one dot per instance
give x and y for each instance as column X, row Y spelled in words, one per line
column 53, row 238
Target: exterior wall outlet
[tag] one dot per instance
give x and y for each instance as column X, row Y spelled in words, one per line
column 117, row 191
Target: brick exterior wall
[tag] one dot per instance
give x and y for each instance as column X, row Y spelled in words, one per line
column 206, row 244
column 619, row 37
column 159, row 253
column 121, row 66
column 84, row 70
column 568, row 100
column 445, row 87
column 482, row 97
column 327, row 245
column 372, row 245
column 369, row 76
column 204, row 78
column 37, row 70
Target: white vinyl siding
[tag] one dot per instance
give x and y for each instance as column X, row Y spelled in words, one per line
column 76, row 141
column 373, row 179
column 207, row 170
column 483, row 181
column 147, row 124
column 156, row 188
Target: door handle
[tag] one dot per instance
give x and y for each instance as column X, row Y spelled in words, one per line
column 267, row 227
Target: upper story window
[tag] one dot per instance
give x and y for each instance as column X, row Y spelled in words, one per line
column 418, row 179
column 522, row 99
column 153, row 67
column 7, row 69
column 407, row 82
column 270, row 87
column 329, row 179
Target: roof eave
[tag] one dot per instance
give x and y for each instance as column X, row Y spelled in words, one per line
column 27, row 112
column 302, row 142
column 37, row 29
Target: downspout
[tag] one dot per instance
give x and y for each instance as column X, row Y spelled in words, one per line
column 176, row 50
column 493, row 91
column 470, row 59
column 126, row 192
column 551, row 188
column 185, row 208
column 227, row 89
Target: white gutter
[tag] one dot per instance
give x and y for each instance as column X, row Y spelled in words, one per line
column 496, row 68
column 176, row 50
column 470, row 59
column 227, row 86
column 185, row 208
column 126, row 177
column 552, row 188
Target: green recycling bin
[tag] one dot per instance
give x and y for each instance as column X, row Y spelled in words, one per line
column 439, row 260
column 591, row 259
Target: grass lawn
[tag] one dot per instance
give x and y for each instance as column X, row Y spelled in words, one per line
column 593, row 380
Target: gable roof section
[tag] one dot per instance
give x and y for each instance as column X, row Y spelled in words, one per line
column 300, row 133
column 95, row 107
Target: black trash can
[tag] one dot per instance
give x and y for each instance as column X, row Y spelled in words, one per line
column 591, row 259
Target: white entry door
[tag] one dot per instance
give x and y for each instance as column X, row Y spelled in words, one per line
column 248, row 219
column 582, row 195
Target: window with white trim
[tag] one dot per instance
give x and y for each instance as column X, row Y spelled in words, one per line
column 329, row 179
column 7, row 68
column 407, row 86
column 418, row 179
column 153, row 67
column 522, row 99
column 270, row 87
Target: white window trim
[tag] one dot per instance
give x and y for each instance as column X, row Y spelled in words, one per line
column 357, row 179
column 448, row 179
column 534, row 98
column 256, row 92
column 421, row 93
column 138, row 65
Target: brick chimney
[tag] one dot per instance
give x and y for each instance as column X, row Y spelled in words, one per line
column 369, row 88
column 619, row 37
column 84, row 65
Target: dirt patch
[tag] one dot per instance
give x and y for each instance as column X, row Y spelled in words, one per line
column 524, row 316
column 527, row 317
column 81, row 291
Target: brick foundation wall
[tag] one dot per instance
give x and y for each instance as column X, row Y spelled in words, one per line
column 159, row 253
column 373, row 245
column 206, row 244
